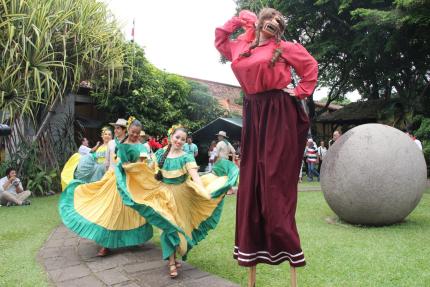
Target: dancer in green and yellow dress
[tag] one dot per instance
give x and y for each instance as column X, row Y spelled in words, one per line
column 177, row 200
column 87, row 168
column 168, row 193
column 96, row 210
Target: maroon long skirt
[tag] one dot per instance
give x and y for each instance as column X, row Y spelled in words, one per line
column 274, row 134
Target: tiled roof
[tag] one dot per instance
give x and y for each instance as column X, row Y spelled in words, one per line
column 226, row 94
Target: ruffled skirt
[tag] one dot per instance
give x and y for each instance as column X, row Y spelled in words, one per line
column 121, row 208
column 184, row 212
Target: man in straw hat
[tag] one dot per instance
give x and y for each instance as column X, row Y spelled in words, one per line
column 224, row 148
column 144, row 139
column 120, row 131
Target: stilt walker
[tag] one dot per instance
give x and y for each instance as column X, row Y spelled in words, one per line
column 274, row 133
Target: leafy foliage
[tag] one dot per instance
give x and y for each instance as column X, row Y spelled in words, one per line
column 47, row 47
column 423, row 134
column 158, row 98
column 34, row 175
column 376, row 47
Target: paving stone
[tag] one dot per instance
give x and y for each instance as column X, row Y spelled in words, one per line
column 54, row 243
column 210, row 281
column 70, row 241
column 130, row 284
column 50, row 252
column 60, row 262
column 68, row 273
column 157, row 277
column 194, row 273
column 87, row 281
column 143, row 255
column 112, row 276
column 71, row 261
column 144, row 266
column 101, row 265
column 87, row 250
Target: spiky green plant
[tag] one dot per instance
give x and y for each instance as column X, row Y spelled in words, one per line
column 48, row 47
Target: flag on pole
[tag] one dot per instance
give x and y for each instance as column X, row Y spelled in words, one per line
column 132, row 32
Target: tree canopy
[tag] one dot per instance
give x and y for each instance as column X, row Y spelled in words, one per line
column 158, row 98
column 380, row 48
column 48, row 47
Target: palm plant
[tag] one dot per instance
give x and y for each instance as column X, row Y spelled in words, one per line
column 47, row 47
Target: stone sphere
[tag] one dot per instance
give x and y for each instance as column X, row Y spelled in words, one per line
column 373, row 175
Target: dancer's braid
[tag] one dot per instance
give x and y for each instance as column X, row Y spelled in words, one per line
column 277, row 53
column 159, row 175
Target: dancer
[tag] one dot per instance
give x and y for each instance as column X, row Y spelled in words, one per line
column 96, row 210
column 177, row 200
column 120, row 132
column 273, row 136
column 87, row 168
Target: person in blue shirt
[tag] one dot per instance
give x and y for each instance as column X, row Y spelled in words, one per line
column 190, row 147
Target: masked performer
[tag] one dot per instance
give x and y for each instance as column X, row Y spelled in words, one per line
column 273, row 135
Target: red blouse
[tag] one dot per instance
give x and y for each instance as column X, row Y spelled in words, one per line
column 254, row 73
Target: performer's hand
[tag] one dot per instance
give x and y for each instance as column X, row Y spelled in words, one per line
column 238, row 22
column 290, row 92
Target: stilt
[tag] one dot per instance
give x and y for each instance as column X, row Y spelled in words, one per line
column 293, row 277
column 251, row 276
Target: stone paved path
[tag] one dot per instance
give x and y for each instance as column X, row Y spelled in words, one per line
column 70, row 261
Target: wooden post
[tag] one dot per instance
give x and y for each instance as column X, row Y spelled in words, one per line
column 251, row 276
column 293, row 277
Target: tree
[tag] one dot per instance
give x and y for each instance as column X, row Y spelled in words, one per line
column 375, row 47
column 158, row 98
column 202, row 107
column 48, row 47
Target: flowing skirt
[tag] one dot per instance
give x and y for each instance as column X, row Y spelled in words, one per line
column 96, row 211
column 184, row 212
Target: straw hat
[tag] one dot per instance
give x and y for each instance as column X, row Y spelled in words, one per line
column 222, row 133
column 119, row 123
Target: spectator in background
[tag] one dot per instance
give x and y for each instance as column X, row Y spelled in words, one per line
column 190, row 147
column 312, row 160
column 225, row 150
column 154, row 144
column 322, row 150
column 11, row 190
column 164, row 141
column 84, row 149
column 144, row 139
column 336, row 136
column 223, row 147
column 416, row 141
column 212, row 155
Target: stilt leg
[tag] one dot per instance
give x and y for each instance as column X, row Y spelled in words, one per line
column 251, row 276
column 293, row 277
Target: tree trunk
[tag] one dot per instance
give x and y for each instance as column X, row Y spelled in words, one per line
column 48, row 116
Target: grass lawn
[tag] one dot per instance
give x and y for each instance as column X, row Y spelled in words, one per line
column 22, row 232
column 337, row 254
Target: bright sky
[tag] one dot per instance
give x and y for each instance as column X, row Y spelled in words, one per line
column 178, row 36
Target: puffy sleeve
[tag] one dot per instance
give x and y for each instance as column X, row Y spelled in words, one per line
column 189, row 162
column 143, row 151
column 305, row 66
column 159, row 153
column 222, row 36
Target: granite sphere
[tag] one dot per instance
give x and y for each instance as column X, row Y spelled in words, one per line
column 373, row 175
